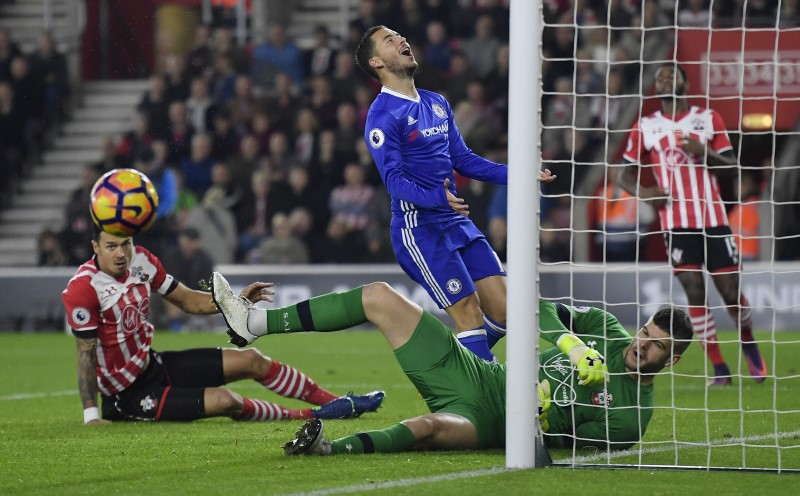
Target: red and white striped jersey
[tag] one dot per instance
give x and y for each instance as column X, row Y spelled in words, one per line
column 349, row 204
column 694, row 191
column 116, row 311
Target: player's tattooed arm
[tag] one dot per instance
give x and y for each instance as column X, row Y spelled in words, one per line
column 87, row 380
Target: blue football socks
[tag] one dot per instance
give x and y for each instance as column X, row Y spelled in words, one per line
column 494, row 331
column 475, row 341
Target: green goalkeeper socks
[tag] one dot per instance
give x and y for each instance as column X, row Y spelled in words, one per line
column 394, row 439
column 330, row 312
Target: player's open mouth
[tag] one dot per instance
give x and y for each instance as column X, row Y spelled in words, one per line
column 406, row 51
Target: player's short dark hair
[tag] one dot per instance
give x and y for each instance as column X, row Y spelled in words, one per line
column 675, row 67
column 96, row 232
column 365, row 51
column 676, row 322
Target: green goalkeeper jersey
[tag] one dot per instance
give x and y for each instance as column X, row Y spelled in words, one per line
column 614, row 415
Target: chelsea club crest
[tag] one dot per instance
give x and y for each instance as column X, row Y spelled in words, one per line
column 454, row 286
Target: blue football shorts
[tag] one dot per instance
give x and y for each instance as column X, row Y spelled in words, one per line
column 446, row 260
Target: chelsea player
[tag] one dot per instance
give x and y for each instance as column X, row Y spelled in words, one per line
column 416, row 146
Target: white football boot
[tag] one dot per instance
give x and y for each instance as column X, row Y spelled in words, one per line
column 235, row 309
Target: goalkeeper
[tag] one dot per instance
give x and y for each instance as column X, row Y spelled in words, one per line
column 583, row 405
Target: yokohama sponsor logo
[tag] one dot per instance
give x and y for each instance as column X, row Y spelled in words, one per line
column 754, row 72
column 440, row 129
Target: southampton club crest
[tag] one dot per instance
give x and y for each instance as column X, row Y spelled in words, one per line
column 148, row 403
column 439, row 110
column 602, row 398
column 677, row 256
column 139, row 273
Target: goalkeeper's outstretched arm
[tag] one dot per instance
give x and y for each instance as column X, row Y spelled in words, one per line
column 590, row 363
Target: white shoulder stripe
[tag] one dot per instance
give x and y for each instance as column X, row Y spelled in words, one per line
column 162, row 290
column 84, row 271
column 392, row 92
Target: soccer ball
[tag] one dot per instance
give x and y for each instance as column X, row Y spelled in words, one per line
column 124, row 202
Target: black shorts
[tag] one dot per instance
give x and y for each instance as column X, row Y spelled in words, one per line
column 170, row 388
column 691, row 249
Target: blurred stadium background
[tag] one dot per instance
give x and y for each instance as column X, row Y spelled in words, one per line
column 249, row 117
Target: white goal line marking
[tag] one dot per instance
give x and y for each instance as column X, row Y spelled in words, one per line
column 30, row 396
column 490, row 471
column 245, row 385
column 403, row 482
column 734, row 441
column 499, row 470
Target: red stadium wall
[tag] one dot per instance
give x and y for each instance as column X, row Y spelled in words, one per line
column 718, row 79
column 738, row 72
column 131, row 29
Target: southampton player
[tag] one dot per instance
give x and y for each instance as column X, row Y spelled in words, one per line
column 416, row 146
column 600, row 405
column 683, row 143
column 107, row 303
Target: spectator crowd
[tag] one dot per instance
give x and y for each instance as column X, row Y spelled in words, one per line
column 257, row 151
column 33, row 90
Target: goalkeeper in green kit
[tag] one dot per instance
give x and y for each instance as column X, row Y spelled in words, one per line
column 586, row 399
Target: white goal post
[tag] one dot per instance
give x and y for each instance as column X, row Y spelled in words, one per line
column 522, row 345
column 597, row 80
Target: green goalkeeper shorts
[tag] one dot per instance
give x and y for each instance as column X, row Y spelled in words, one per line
column 451, row 379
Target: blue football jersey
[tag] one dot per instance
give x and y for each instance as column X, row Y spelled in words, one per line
column 416, row 146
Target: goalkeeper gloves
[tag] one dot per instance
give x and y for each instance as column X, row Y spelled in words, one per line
column 591, row 365
column 544, row 404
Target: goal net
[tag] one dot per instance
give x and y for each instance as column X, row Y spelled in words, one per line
column 600, row 246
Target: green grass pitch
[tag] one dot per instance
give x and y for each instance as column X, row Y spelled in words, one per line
column 45, row 449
